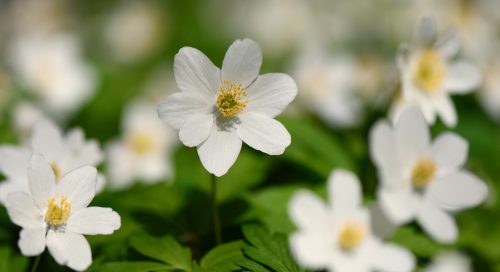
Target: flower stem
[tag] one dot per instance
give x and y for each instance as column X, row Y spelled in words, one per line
column 35, row 264
column 215, row 211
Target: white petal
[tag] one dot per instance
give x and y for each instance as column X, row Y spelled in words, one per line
column 463, row 77
column 458, row 190
column 263, row 133
column 311, row 250
column 12, row 186
column 42, row 181
column 270, row 94
column 176, row 108
column 14, row 161
column 308, row 212
column 195, row 73
column 196, row 129
column 412, row 134
column 23, row 211
column 449, row 44
column 381, row 225
column 242, row 62
column 219, row 152
column 69, row 249
column 437, row 223
column 46, row 139
column 399, row 206
column 344, row 191
column 32, row 241
column 449, row 151
column 446, row 110
column 389, row 257
column 382, row 147
column 94, row 220
column 426, row 32
column 78, row 186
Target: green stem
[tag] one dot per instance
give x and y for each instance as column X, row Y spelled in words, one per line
column 35, row 264
column 215, row 211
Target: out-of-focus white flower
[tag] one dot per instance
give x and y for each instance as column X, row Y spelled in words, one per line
column 143, row 152
column 64, row 153
column 327, row 86
column 217, row 109
column 24, row 118
column 54, row 214
column 420, row 179
column 134, row 31
column 489, row 94
column 429, row 76
column 338, row 236
column 450, row 262
column 52, row 68
column 277, row 25
column 36, row 16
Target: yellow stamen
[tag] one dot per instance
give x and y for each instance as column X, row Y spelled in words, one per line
column 351, row 236
column 56, row 170
column 230, row 99
column 57, row 214
column 141, row 143
column 422, row 173
column 430, row 71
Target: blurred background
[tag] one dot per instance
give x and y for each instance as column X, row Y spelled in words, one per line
column 104, row 65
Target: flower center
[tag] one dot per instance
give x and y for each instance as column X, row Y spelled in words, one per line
column 230, row 99
column 56, row 170
column 57, row 213
column 422, row 173
column 430, row 71
column 141, row 143
column 351, row 236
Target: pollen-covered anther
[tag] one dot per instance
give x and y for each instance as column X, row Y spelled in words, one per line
column 422, row 173
column 230, row 99
column 57, row 214
column 430, row 71
column 56, row 170
column 351, row 236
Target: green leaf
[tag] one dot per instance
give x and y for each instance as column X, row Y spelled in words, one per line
column 269, row 249
column 224, row 257
column 135, row 267
column 11, row 262
column 315, row 147
column 416, row 242
column 165, row 249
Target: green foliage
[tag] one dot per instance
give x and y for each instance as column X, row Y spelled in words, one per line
column 270, row 250
column 416, row 242
column 11, row 262
column 225, row 257
column 165, row 249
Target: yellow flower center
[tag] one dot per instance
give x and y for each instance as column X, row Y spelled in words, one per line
column 56, row 170
column 351, row 236
column 230, row 99
column 422, row 173
column 57, row 213
column 430, row 71
column 141, row 143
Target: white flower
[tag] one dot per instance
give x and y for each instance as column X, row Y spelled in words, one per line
column 450, row 262
column 143, row 151
column 489, row 94
column 55, row 214
column 64, row 153
column 25, row 116
column 327, row 87
column 338, row 236
column 420, row 179
column 134, row 31
column 217, row 109
column 52, row 68
column 429, row 76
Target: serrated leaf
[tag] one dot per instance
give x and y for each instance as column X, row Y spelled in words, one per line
column 135, row 267
column 269, row 249
column 165, row 249
column 224, row 257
